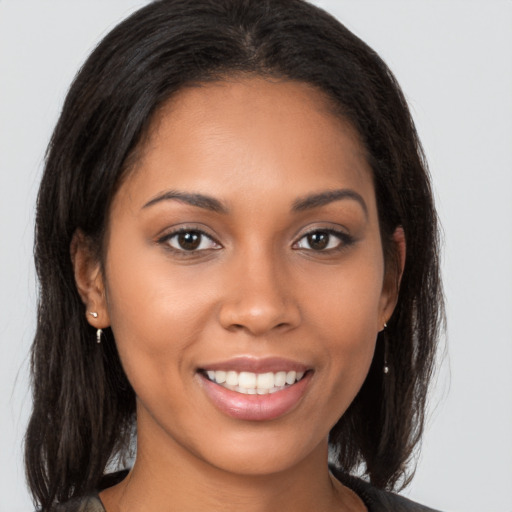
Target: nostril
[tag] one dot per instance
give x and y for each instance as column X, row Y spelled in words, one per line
column 258, row 315
column 235, row 327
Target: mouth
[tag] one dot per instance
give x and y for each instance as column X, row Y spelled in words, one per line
column 251, row 383
column 255, row 390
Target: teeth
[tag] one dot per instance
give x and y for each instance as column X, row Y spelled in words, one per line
column 265, row 381
column 280, row 379
column 219, row 377
column 232, row 378
column 247, row 380
column 250, row 383
column 290, row 377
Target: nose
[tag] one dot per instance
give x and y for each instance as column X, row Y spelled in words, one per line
column 259, row 297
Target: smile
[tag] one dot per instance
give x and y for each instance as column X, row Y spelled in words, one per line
column 255, row 390
column 250, row 383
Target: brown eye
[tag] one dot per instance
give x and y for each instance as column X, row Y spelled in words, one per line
column 323, row 240
column 319, row 240
column 191, row 240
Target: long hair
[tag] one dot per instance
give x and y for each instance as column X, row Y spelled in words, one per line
column 84, row 407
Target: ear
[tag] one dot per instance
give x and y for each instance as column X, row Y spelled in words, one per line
column 394, row 271
column 89, row 280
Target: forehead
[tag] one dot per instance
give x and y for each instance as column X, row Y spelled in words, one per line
column 250, row 134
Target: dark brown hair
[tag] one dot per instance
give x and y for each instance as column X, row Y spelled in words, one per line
column 84, row 407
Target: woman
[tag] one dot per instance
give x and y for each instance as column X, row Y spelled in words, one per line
column 237, row 252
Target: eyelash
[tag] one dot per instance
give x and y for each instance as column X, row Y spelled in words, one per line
column 166, row 239
column 344, row 240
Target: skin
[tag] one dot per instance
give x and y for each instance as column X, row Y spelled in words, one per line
column 255, row 287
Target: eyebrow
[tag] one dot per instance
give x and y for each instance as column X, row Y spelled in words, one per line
column 328, row 196
column 301, row 204
column 199, row 200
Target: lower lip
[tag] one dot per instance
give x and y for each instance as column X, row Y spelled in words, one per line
column 256, row 407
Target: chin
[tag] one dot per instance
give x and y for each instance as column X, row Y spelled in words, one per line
column 263, row 453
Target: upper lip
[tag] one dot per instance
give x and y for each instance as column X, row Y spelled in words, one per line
column 256, row 365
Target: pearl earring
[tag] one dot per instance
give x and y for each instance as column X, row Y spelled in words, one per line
column 385, row 368
column 99, row 332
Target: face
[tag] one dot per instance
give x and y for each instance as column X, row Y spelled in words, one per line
column 244, row 276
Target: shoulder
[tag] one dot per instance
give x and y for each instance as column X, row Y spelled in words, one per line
column 377, row 500
column 85, row 504
column 91, row 502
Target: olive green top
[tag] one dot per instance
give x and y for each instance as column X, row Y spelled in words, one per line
column 376, row 500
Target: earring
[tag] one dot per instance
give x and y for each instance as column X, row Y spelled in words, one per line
column 93, row 314
column 385, row 368
column 99, row 332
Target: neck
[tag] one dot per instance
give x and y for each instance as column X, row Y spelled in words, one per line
column 166, row 477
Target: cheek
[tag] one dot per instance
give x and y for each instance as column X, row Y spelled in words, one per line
column 345, row 301
column 154, row 313
column 344, row 311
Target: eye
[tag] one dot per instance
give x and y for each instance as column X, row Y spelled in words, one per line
column 323, row 240
column 190, row 240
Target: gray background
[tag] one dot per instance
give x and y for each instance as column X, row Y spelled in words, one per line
column 454, row 62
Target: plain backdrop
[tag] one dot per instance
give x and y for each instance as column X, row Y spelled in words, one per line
column 454, row 62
